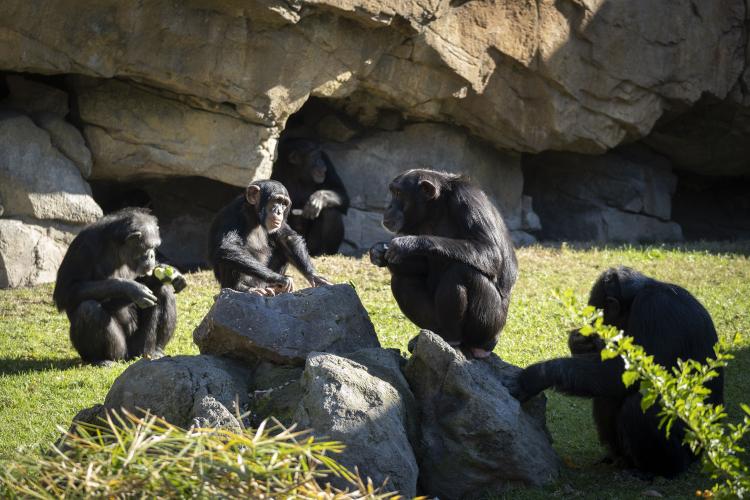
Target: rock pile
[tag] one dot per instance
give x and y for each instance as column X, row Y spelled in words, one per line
column 438, row 424
column 44, row 199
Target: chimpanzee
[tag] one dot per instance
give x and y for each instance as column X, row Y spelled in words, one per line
column 452, row 262
column 251, row 243
column 117, row 309
column 319, row 199
column 670, row 324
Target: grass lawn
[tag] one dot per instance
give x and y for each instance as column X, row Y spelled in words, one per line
column 43, row 384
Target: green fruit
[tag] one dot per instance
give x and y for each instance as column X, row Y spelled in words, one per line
column 159, row 273
column 169, row 271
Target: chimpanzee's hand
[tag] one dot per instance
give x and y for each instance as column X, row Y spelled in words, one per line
column 399, row 248
column 377, row 254
column 529, row 382
column 316, row 281
column 313, row 206
column 284, row 286
column 141, row 295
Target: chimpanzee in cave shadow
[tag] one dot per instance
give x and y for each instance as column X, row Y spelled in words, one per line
column 319, row 199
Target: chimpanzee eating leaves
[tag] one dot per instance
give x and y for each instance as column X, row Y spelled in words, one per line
column 116, row 307
column 251, row 243
column 452, row 262
column 319, row 199
column 670, row 324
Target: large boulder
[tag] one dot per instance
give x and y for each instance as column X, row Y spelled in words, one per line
column 133, row 132
column 30, row 253
column 528, row 76
column 185, row 391
column 368, row 406
column 475, row 437
column 624, row 195
column 286, row 328
column 36, row 179
column 67, row 139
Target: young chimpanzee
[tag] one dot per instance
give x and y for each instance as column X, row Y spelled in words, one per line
column 251, row 243
column 319, row 199
column 117, row 309
column 670, row 324
column 452, row 262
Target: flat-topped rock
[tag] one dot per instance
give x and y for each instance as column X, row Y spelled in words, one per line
column 286, row 328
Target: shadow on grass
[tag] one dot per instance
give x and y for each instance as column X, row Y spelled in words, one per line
column 14, row 366
column 738, row 247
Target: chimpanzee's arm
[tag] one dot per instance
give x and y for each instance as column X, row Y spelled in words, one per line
column 295, row 250
column 578, row 376
column 328, row 198
column 232, row 253
column 112, row 288
column 481, row 256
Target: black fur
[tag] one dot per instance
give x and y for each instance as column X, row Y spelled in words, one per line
column 116, row 311
column 452, row 262
column 323, row 231
column 245, row 255
column 670, row 324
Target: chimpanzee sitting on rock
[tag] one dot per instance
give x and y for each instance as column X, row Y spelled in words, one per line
column 452, row 262
column 117, row 308
column 319, row 199
column 251, row 243
column 670, row 324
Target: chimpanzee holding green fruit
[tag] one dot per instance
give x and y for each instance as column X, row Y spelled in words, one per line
column 119, row 301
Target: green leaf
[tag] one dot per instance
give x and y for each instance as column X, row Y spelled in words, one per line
column 608, row 354
column 629, row 378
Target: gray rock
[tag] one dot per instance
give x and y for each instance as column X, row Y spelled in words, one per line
column 30, row 253
column 527, row 76
column 133, row 133
column 184, row 390
column 30, row 97
column 475, row 437
column 624, row 195
column 67, row 139
column 38, row 181
column 286, row 328
column 367, row 408
column 276, row 392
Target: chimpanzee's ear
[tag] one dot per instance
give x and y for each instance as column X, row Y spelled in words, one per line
column 429, row 189
column 252, row 194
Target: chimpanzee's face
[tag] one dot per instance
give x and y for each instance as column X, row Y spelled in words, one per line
column 410, row 203
column 276, row 210
column 139, row 251
column 271, row 202
column 312, row 162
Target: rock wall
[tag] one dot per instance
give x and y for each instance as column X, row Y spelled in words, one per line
column 140, row 93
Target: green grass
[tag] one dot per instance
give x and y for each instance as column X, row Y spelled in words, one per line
column 43, row 384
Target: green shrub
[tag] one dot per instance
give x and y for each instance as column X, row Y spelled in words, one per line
column 131, row 457
column 682, row 394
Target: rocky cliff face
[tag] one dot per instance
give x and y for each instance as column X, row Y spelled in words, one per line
column 206, row 88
